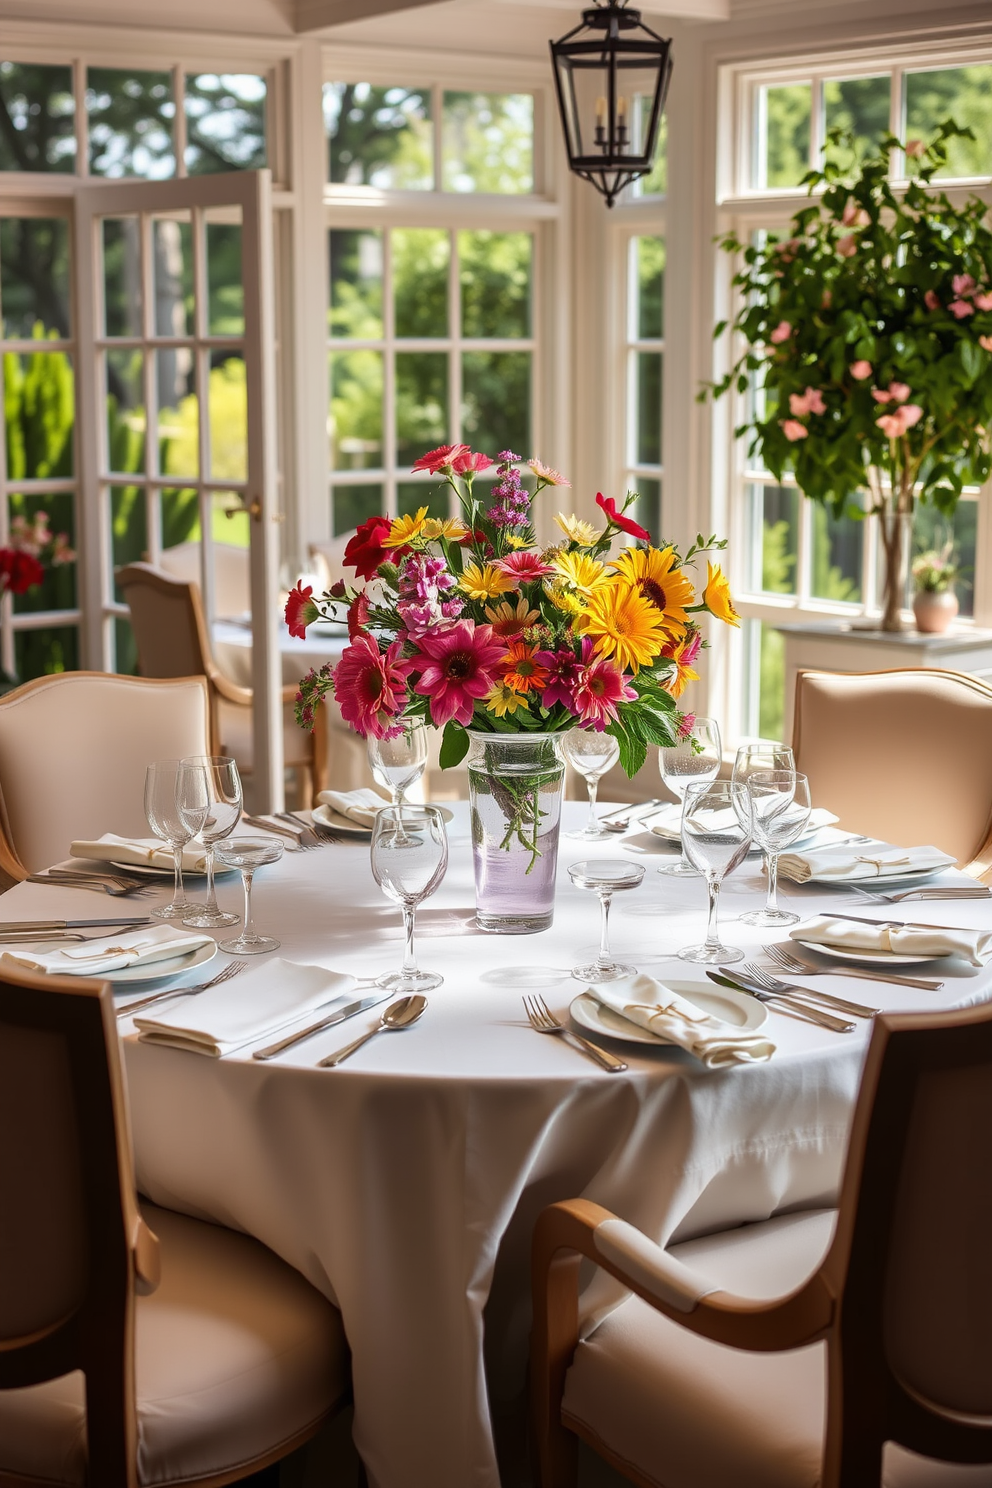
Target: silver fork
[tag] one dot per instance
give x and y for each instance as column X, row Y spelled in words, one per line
column 542, row 1020
column 308, row 837
column 116, row 888
column 962, row 891
column 797, row 965
column 232, row 969
column 793, row 999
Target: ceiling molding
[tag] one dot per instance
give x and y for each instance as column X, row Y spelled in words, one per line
column 315, row 15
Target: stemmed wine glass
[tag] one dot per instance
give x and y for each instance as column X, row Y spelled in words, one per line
column 208, row 794
column 716, row 834
column 695, row 760
column 249, row 853
column 780, row 807
column 399, row 763
column 162, row 811
column 409, row 859
column 591, row 754
column 606, row 878
column 756, row 757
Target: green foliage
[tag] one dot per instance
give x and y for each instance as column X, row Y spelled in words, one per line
column 651, row 718
column 454, row 745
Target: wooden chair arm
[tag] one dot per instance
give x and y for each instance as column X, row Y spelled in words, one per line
column 230, row 691
column 145, row 1258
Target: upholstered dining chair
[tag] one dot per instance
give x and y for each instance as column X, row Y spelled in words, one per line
column 232, row 594
column 903, row 755
column 137, row 1346
column 789, row 1353
column 173, row 641
column 73, row 751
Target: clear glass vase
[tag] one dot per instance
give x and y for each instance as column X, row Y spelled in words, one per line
column 515, row 790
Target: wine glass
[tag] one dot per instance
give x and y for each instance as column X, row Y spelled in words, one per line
column 591, row 754
column 399, row 763
column 208, row 793
column 755, row 757
column 409, row 858
column 606, row 878
column 715, row 840
column 249, row 853
column 162, row 811
column 780, row 807
column 695, row 760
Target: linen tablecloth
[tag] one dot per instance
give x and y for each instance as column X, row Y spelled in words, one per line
column 405, row 1184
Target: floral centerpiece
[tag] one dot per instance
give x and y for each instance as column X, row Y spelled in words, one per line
column 23, row 559
column 470, row 625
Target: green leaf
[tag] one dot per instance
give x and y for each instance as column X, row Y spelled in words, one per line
column 454, row 745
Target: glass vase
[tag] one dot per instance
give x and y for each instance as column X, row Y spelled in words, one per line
column 515, row 793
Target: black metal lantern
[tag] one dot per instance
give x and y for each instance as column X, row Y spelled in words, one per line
column 612, row 74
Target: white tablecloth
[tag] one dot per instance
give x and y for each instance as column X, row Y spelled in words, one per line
column 405, row 1184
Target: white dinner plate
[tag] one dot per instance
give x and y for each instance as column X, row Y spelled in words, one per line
column 905, row 875
column 152, row 870
column 736, row 1008
column 160, row 971
column 863, row 957
column 326, row 816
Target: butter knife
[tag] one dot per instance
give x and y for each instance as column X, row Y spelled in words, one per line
column 796, row 1006
column 18, row 925
column 338, row 1016
column 267, row 826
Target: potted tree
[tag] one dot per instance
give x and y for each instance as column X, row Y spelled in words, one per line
column 869, row 332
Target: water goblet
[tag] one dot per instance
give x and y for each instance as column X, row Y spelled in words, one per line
column 695, row 760
column 399, row 763
column 162, row 811
column 208, row 793
column 249, row 853
column 606, row 878
column 754, row 757
column 780, row 808
column 715, row 840
column 591, row 754
column 409, row 859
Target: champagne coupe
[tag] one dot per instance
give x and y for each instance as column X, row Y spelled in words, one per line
column 780, row 807
column 249, row 853
column 606, row 878
column 756, row 756
column 715, row 840
column 208, row 793
column 162, row 811
column 409, row 858
column 591, row 754
column 695, row 760
column 399, row 763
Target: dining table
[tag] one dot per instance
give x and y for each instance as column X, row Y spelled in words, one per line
column 404, row 1184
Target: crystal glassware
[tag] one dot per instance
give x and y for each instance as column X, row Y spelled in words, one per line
column 607, row 878
column 695, row 760
column 249, row 853
column 162, row 812
column 409, row 859
column 756, row 756
column 780, row 808
column 715, row 840
column 209, row 799
column 591, row 754
column 399, row 763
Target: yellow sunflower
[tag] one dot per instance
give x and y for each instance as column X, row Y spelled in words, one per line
column 516, row 542
column 577, row 531
column 716, row 595
column 484, row 582
column 656, row 577
column 579, row 572
column 406, row 529
column 511, row 620
column 503, row 700
column 563, row 599
column 623, row 625
column 452, row 529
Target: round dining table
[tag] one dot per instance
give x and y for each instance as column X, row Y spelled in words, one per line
column 404, row 1184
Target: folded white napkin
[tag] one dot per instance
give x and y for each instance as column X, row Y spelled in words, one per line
column 245, row 1009
column 861, row 860
column 661, row 1011
column 113, row 952
column 668, row 823
column 144, row 851
column 904, row 940
column 359, row 806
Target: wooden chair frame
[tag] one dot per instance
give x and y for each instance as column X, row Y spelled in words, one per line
column 97, row 1336
column 842, row 1302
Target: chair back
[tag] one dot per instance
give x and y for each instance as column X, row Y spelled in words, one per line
column 73, row 752
column 904, row 755
column 168, row 622
column 329, row 557
column 232, row 577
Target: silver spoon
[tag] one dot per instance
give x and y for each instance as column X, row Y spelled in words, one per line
column 398, row 1015
column 620, row 823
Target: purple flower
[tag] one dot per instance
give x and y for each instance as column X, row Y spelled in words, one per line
column 511, row 507
column 563, row 674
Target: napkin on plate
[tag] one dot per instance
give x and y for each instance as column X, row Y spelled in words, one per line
column 668, row 822
column 148, row 852
column 903, row 940
column 861, row 860
column 661, row 1011
column 359, row 806
column 113, row 952
column 245, row 1009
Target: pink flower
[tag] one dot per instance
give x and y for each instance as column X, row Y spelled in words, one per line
column 301, row 611
column 461, row 665
column 855, row 216
column 468, row 462
column 847, row 246
column 441, row 458
column 685, row 725
column 900, row 391
column 781, row 333
column 827, row 299
column 562, row 668
column 524, row 566
column 793, row 430
column 983, row 301
column 961, row 308
column 861, row 370
column 547, row 474
column 985, row 342
column 894, row 425
column 881, row 395
column 371, row 687
column 915, row 149
column 811, row 401
column 599, row 688
column 963, row 284
column 931, row 301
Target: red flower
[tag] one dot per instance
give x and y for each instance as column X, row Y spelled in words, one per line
column 469, row 462
column 371, row 687
column 358, row 613
column 461, row 665
column 609, row 508
column 300, row 611
column 19, row 571
column 442, row 458
column 365, row 552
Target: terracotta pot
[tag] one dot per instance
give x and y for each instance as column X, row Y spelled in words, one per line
column 934, row 611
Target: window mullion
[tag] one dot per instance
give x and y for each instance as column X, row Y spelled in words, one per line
column 149, row 384
column 179, row 117
column 455, row 354
column 81, row 119
column 389, row 377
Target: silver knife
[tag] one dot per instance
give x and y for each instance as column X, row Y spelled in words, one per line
column 896, row 924
column 795, row 1006
column 16, row 925
column 338, row 1016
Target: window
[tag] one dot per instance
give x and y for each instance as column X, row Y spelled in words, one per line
column 645, row 348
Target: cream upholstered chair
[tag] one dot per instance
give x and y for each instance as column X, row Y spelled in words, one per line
column 775, row 1356
column 173, row 640
column 73, row 751
column 330, row 559
column 904, row 755
column 232, row 576
column 137, row 1346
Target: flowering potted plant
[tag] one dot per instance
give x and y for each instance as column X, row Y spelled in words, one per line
column 935, row 603
column 869, row 331
column 469, row 624
column 23, row 559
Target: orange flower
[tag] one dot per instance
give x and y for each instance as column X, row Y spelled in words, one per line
column 521, row 671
